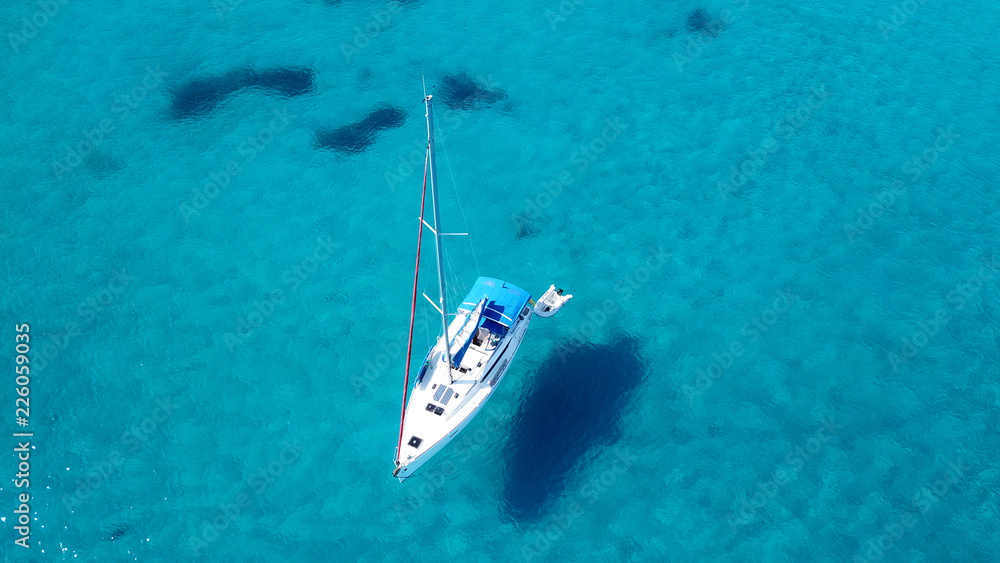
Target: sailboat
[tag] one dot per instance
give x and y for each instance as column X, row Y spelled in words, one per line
column 463, row 368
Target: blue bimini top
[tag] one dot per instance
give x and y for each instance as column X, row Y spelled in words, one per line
column 503, row 302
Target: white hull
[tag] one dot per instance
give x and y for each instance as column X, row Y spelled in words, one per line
column 467, row 392
column 461, row 372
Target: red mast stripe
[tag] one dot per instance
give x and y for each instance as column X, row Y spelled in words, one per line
column 413, row 309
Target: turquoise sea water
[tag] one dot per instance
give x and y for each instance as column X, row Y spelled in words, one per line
column 781, row 234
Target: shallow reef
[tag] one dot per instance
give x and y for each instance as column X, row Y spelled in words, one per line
column 200, row 96
column 356, row 137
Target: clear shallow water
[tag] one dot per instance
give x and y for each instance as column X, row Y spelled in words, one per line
column 709, row 237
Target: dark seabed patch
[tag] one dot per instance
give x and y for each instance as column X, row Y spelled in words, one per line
column 524, row 225
column 574, row 406
column 461, row 91
column 102, row 164
column 118, row 532
column 366, row 76
column 701, row 21
column 356, row 137
column 201, row 96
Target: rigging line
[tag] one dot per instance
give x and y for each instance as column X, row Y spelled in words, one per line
column 427, row 330
column 450, row 272
column 455, row 277
column 413, row 312
column 454, row 187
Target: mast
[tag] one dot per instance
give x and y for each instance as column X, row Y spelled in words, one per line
column 437, row 230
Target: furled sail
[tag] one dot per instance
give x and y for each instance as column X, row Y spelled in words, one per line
column 471, row 323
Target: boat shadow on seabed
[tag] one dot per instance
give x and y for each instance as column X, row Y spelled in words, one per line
column 574, row 406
